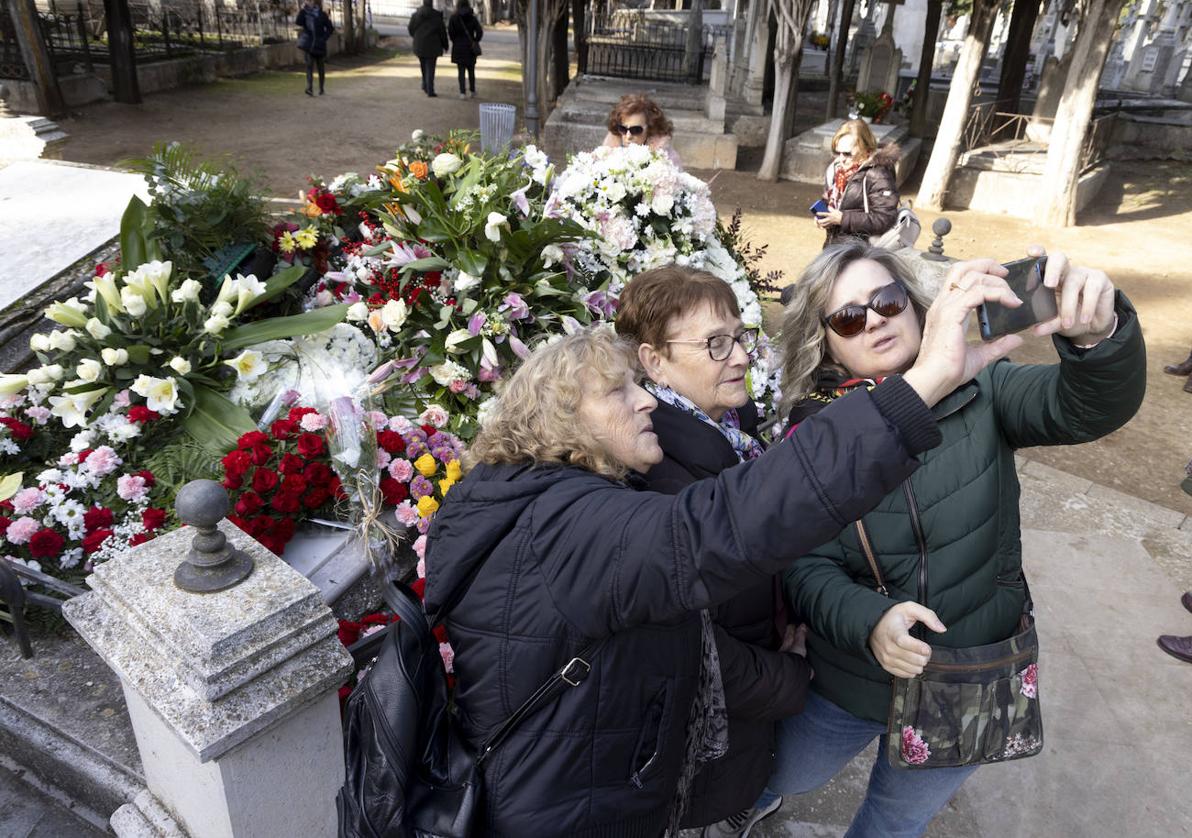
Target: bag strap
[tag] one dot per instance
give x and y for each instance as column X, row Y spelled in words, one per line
column 867, row 549
column 406, row 605
column 865, row 190
column 572, row 674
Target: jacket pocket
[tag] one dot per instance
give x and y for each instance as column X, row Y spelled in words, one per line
column 647, row 754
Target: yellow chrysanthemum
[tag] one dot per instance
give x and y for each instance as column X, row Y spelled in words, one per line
column 454, row 471
column 426, row 465
column 286, row 243
column 307, row 238
column 427, row 506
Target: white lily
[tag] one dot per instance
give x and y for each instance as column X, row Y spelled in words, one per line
column 249, row 365
column 216, row 324
column 67, row 315
column 227, row 291
column 453, row 341
column 222, row 308
column 180, row 365
column 40, row 342
column 492, row 228
column 248, row 288
column 72, row 409
column 134, row 303
column 465, row 282
column 160, row 394
column 10, row 384
column 106, row 286
column 187, row 292
column 97, row 329
column 114, row 357
column 89, row 370
column 63, row 341
column 157, row 275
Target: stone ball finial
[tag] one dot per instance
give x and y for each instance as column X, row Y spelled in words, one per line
column 941, row 227
column 212, row 564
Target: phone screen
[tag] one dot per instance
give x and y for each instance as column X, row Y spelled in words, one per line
column 1038, row 301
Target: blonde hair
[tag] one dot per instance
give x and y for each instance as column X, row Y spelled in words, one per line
column 804, row 336
column 535, row 419
column 859, row 131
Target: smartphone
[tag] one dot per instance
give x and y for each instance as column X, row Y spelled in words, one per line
column 1038, row 301
column 819, row 206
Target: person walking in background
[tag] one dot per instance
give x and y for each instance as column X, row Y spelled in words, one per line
column 861, row 188
column 430, row 41
column 1183, row 369
column 465, row 33
column 315, row 28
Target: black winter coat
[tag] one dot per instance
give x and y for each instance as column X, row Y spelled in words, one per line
column 316, row 29
column 876, row 179
column 429, row 34
column 552, row 557
column 761, row 684
column 459, row 28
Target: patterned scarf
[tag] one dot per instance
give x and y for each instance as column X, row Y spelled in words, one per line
column 828, row 389
column 745, row 446
column 840, row 179
column 707, row 722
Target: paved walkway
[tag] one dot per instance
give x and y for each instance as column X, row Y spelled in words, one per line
column 27, row 813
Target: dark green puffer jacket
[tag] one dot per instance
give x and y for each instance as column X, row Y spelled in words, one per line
column 966, row 497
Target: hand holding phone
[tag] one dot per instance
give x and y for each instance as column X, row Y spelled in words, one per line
column 1039, row 305
column 819, row 206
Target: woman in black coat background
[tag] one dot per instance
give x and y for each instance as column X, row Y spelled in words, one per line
column 430, row 41
column 465, row 33
column 695, row 352
column 316, row 29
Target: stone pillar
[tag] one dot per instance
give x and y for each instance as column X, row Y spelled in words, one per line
column 715, row 103
column 757, row 38
column 36, row 56
column 232, row 694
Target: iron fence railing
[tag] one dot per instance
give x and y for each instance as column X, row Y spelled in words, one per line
column 634, row 48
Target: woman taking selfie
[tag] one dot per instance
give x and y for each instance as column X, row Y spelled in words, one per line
column 947, row 543
column 546, row 549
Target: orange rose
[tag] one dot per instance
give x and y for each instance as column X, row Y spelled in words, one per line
column 419, row 169
column 312, row 211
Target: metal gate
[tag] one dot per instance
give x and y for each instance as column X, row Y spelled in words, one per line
column 626, row 44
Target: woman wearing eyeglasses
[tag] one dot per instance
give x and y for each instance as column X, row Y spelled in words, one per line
column 695, row 352
column 861, row 188
column 638, row 120
column 857, row 318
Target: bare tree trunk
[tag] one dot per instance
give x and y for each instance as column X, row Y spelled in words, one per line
column 1018, row 50
column 931, row 30
column 946, row 151
column 836, row 72
column 121, row 52
column 784, row 78
column 1061, row 172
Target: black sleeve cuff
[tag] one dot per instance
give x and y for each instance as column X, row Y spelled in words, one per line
column 903, row 408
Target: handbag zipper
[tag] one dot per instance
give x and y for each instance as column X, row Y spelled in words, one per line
column 974, row 667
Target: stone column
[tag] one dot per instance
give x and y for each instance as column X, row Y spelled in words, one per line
column 232, row 694
column 756, row 37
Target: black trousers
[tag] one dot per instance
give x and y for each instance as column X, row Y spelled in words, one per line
column 428, row 73
column 470, row 71
column 311, row 61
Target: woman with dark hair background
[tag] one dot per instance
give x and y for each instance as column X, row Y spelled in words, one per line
column 465, row 33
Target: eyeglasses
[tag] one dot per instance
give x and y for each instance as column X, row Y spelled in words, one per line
column 635, row 130
column 721, row 346
column 888, row 301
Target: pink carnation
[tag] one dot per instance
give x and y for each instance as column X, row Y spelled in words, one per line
column 131, row 487
column 401, row 470
column 421, row 569
column 401, row 424
column 70, row 458
column 377, row 419
column 27, row 500
column 406, row 514
column 122, row 399
column 103, row 461
column 914, row 749
column 22, row 529
column 434, row 415
column 38, row 414
column 312, row 422
column 448, row 655
column 420, row 551
column 383, row 458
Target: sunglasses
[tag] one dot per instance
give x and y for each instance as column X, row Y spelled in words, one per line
column 848, row 321
column 634, row 130
column 845, row 153
column 721, row 346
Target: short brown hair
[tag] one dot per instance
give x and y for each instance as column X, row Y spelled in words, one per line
column 657, row 125
column 859, row 131
column 655, row 298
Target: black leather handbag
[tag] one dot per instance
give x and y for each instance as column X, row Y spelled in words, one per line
column 409, row 772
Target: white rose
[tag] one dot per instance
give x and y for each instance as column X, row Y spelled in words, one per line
column 394, row 314
column 447, row 373
column 96, row 329
column 133, row 302
column 417, row 135
column 180, row 365
column 445, row 163
column 358, row 311
column 187, row 292
column 114, row 357
column 89, row 370
column 466, row 281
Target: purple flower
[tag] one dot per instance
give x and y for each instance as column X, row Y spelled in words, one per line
column 423, row 525
column 476, row 323
column 516, row 306
column 600, row 304
column 420, row 487
column 520, row 201
column 914, row 749
column 519, row 348
column 416, row 449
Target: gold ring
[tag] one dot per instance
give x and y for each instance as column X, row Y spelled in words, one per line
column 955, row 286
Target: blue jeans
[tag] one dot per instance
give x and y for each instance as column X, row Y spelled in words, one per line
column 813, row 746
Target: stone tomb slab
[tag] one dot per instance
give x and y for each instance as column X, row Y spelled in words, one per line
column 53, row 214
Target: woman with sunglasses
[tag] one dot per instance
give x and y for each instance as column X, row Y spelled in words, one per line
column 857, row 317
column 637, row 119
column 686, row 326
column 861, row 187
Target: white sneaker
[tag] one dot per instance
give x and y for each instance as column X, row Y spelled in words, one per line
column 742, row 823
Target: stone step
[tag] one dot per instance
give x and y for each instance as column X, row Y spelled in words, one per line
column 609, row 90
column 591, row 113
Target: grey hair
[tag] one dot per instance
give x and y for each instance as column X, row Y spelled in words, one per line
column 804, row 342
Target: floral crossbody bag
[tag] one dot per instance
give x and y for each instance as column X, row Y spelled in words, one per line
column 972, row 705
